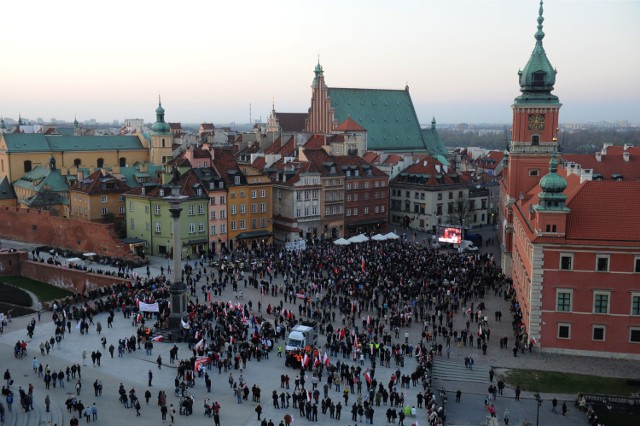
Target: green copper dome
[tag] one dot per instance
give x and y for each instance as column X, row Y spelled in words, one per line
column 538, row 76
column 160, row 126
column 552, row 186
column 318, row 73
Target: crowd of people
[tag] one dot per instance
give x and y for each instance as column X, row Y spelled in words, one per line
column 365, row 299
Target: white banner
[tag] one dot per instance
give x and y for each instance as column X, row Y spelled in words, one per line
column 148, row 307
column 296, row 245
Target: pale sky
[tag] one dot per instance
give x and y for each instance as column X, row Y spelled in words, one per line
column 210, row 59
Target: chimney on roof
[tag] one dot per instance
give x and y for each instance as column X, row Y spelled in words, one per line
column 604, row 148
column 103, row 172
column 424, row 163
column 585, row 175
column 626, row 155
column 80, row 176
column 627, row 146
column 599, row 154
column 142, row 190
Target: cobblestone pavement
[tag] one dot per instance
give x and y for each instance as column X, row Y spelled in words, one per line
column 132, row 371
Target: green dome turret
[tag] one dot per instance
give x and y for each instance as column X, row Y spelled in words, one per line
column 538, row 76
column 552, row 185
column 160, row 126
column 318, row 71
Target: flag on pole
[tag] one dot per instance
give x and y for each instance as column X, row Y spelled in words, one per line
column 325, row 360
column 367, row 377
column 305, row 360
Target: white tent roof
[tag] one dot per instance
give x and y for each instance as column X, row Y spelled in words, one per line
column 359, row 238
column 341, row 242
column 379, row 237
column 391, row 236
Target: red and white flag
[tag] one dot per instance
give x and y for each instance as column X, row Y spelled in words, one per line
column 325, row 360
column 367, row 377
column 363, row 264
column 305, row 360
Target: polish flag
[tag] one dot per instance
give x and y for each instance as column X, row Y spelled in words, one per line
column 325, row 360
column 368, row 320
column 363, row 264
column 305, row 360
column 231, row 340
column 309, row 396
column 367, row 377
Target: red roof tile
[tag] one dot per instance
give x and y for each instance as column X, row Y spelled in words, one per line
column 370, row 157
column 612, row 162
column 350, row 125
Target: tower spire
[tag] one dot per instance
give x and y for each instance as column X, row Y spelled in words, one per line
column 540, row 34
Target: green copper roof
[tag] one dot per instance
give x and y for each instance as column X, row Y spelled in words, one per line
column 6, row 190
column 37, row 142
column 42, row 177
column 552, row 185
column 131, row 173
column 432, row 141
column 388, row 116
column 160, row 126
column 538, row 76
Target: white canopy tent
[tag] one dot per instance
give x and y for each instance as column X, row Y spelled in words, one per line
column 391, row 236
column 379, row 237
column 341, row 242
column 359, row 239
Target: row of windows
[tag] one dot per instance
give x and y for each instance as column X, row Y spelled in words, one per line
column 313, row 211
column 243, row 224
column 601, row 302
column 158, row 227
column 243, row 208
column 598, row 332
column 28, row 165
column 365, row 210
column 333, row 210
column 308, row 194
column 222, row 229
column 222, row 215
column 601, row 265
column 365, row 185
column 222, row 200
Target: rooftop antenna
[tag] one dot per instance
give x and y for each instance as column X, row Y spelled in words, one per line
column 250, row 113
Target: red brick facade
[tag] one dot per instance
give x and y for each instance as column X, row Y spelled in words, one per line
column 40, row 227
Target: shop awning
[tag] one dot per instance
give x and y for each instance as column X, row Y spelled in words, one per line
column 253, row 234
column 198, row 241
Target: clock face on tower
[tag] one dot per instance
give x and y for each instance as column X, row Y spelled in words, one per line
column 536, row 122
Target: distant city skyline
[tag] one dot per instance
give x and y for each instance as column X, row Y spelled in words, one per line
column 210, row 62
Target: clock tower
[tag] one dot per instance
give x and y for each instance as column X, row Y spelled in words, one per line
column 533, row 135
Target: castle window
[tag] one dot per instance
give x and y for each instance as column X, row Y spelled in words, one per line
column 564, row 331
column 27, row 166
column 163, row 143
column 535, row 140
column 534, row 172
column 100, row 162
column 122, row 162
column 77, row 162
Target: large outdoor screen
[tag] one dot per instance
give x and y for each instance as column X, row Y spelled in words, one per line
column 450, row 235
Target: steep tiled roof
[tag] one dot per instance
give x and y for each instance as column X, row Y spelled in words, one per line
column 370, row 157
column 392, row 159
column 605, row 210
column 491, row 160
column 224, row 161
column 432, row 141
column 175, row 126
column 291, row 121
column 611, row 163
column 6, row 190
column 100, row 183
column 388, row 116
column 430, row 172
column 188, row 182
column 42, row 177
column 274, row 147
column 36, row 142
column 315, row 141
column 259, row 163
column 350, row 125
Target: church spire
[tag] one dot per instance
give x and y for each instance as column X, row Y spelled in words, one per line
column 538, row 76
column 160, row 126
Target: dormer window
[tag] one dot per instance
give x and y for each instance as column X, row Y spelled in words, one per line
column 236, row 180
column 162, row 192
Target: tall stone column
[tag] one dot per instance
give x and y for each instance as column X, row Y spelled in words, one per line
column 177, row 289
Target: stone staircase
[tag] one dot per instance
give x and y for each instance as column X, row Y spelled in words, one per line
column 455, row 371
column 38, row 416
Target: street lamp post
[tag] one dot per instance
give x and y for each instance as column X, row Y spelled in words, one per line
column 443, row 397
column 538, row 404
